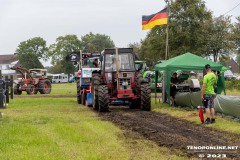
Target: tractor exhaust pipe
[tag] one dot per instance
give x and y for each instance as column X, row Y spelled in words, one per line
column 117, row 65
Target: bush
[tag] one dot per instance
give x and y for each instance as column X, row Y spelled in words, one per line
column 233, row 84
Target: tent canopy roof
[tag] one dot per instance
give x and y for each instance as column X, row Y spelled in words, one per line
column 187, row 61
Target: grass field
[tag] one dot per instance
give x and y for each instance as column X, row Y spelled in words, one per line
column 59, row 128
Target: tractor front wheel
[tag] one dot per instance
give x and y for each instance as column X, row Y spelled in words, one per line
column 30, row 89
column 103, row 98
column 96, row 80
column 83, row 99
column 145, row 97
column 78, row 90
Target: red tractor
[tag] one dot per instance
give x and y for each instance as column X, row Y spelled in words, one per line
column 32, row 81
column 118, row 81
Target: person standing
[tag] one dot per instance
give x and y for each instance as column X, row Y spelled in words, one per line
column 95, row 63
column 208, row 94
column 173, row 89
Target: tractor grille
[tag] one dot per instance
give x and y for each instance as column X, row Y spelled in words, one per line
column 125, row 82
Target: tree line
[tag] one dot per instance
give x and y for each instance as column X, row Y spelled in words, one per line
column 192, row 28
column 31, row 51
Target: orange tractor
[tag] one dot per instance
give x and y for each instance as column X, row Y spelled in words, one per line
column 32, row 81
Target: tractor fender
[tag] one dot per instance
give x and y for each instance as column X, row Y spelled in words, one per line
column 103, row 83
column 144, row 81
column 97, row 71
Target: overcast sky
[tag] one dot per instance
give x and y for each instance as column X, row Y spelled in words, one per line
column 21, row 20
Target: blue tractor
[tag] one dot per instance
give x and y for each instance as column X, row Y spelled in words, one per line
column 87, row 63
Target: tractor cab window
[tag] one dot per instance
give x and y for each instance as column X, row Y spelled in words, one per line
column 125, row 62
column 90, row 62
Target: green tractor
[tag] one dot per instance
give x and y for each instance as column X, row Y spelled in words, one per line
column 148, row 75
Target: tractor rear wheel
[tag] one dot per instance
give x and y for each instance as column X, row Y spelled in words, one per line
column 16, row 90
column 45, row 86
column 103, row 98
column 145, row 97
column 78, row 90
column 96, row 80
column 30, row 89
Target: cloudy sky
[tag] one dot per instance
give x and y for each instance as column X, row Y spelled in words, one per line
column 21, row 20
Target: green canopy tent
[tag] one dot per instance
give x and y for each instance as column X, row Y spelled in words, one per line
column 188, row 62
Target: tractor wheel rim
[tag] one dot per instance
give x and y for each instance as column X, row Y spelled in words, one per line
column 45, row 86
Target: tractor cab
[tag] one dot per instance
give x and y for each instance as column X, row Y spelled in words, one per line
column 38, row 73
column 118, row 70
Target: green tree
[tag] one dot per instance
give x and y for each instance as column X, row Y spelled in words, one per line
column 136, row 49
column 153, row 46
column 236, row 39
column 219, row 43
column 59, row 50
column 96, row 42
column 186, row 31
column 236, row 34
column 30, row 51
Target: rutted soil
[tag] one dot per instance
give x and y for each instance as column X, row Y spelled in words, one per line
column 171, row 132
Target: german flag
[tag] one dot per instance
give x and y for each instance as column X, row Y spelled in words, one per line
column 159, row 18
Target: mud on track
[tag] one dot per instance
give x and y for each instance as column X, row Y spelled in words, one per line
column 171, row 132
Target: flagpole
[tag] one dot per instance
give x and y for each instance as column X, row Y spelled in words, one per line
column 164, row 82
column 166, row 52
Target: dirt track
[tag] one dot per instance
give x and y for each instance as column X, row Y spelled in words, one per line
column 171, row 132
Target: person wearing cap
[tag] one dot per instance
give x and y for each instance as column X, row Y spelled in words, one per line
column 208, row 94
column 173, row 89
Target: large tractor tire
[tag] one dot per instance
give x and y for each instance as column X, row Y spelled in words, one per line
column 83, row 99
column 45, row 86
column 137, row 81
column 36, row 91
column 16, row 90
column 145, row 97
column 96, row 80
column 30, row 89
column 78, row 90
column 103, row 98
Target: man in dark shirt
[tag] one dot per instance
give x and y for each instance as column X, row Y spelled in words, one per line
column 173, row 89
column 95, row 63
